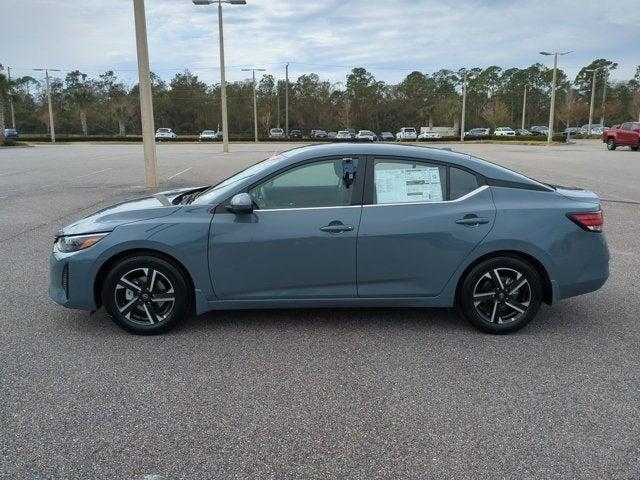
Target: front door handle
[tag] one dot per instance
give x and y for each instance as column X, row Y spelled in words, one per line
column 336, row 227
column 472, row 220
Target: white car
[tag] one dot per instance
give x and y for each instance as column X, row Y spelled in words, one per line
column 429, row 135
column 209, row 135
column 276, row 133
column 165, row 134
column 366, row 135
column 343, row 135
column 406, row 133
column 504, row 132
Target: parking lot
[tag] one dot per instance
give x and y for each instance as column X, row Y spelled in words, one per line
column 354, row 393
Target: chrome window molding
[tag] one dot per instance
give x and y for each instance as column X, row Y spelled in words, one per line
column 258, row 210
column 464, row 197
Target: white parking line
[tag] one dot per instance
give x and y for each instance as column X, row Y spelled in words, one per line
column 92, row 173
column 179, row 173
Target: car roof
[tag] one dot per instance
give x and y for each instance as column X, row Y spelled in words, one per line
column 483, row 167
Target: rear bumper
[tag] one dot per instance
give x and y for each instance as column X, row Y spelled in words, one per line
column 590, row 270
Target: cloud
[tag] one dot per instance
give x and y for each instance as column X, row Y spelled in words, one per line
column 328, row 37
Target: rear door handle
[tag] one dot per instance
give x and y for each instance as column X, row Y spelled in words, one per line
column 336, row 228
column 472, row 221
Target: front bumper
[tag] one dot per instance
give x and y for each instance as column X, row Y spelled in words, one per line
column 70, row 281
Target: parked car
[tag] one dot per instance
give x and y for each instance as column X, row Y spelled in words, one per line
column 343, row 135
column 442, row 229
column 165, row 134
column 209, row 135
column 10, row 133
column 406, row 133
column 276, row 133
column 627, row 134
column 387, row 137
column 427, row 135
column 504, row 132
column 522, row 132
column 366, row 135
column 295, row 134
column 332, row 134
column 573, row 131
column 352, row 132
column 318, row 134
column 596, row 128
column 478, row 132
column 539, row 131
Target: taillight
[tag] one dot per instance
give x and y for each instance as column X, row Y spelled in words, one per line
column 590, row 221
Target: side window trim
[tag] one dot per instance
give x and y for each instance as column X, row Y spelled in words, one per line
column 356, row 196
column 367, row 197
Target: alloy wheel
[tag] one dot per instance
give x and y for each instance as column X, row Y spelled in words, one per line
column 145, row 296
column 502, row 295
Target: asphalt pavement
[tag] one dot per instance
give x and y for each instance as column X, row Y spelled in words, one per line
column 309, row 394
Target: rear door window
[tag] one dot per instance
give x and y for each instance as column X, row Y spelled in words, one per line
column 408, row 181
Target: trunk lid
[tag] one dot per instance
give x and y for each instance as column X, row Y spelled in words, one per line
column 578, row 194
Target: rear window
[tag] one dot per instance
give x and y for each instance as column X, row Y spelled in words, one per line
column 462, row 182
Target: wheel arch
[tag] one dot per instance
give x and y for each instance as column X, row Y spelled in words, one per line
column 111, row 261
column 547, row 290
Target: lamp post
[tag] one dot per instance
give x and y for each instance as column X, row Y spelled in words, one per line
column 553, row 91
column 593, row 94
column 464, row 104
column 11, row 109
column 46, row 71
column 604, row 96
column 524, row 105
column 255, row 102
column 286, row 100
column 223, row 88
column 146, row 96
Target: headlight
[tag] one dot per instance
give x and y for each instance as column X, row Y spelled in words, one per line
column 73, row 243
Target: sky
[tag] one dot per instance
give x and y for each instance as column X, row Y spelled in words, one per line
column 328, row 37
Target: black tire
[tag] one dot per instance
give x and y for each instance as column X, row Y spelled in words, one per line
column 484, row 299
column 611, row 144
column 146, row 295
column 635, row 149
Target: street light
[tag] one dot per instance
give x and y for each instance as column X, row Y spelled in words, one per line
column 553, row 90
column 255, row 103
column 524, row 105
column 223, row 88
column 46, row 71
column 464, row 104
column 593, row 93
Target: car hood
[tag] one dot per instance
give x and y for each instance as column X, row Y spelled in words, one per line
column 145, row 208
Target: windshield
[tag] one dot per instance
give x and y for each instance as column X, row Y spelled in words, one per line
column 212, row 192
column 276, row 130
column 208, row 132
column 163, row 130
column 410, row 130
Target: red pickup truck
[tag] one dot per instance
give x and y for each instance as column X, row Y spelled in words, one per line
column 627, row 135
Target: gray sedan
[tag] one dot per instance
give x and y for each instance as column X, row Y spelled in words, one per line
column 339, row 225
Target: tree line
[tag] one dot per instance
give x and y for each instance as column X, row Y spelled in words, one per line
column 107, row 105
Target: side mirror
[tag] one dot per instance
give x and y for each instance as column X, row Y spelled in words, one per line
column 241, row 203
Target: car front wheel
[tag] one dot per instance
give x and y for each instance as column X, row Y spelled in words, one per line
column 146, row 294
column 611, row 144
column 501, row 295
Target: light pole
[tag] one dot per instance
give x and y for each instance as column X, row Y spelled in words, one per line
column 464, row 104
column 255, row 102
column 146, row 96
column 593, row 94
column 604, row 96
column 223, row 83
column 286, row 100
column 13, row 113
column 553, row 91
column 524, row 105
column 46, row 71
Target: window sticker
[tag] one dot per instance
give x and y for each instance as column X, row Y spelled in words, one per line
column 402, row 185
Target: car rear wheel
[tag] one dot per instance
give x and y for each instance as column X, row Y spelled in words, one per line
column 611, row 144
column 146, row 295
column 635, row 149
column 501, row 295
